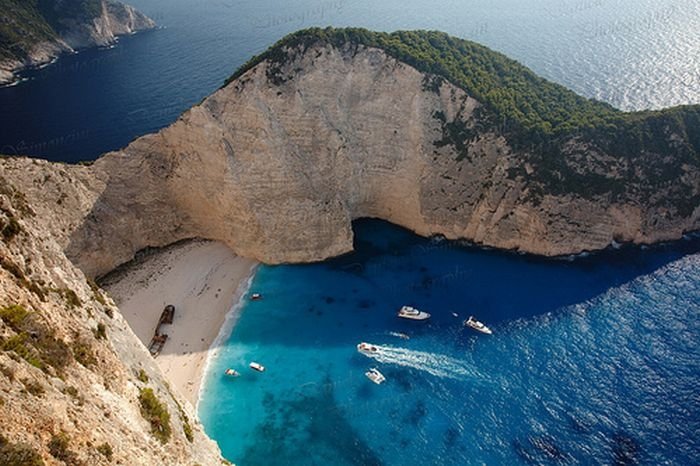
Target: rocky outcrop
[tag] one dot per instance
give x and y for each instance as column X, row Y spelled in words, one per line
column 71, row 370
column 72, row 34
column 278, row 163
column 116, row 19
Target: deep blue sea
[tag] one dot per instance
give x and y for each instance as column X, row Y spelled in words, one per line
column 592, row 361
column 632, row 53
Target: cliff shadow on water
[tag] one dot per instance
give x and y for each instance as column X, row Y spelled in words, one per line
column 391, row 266
column 352, row 127
column 314, row 392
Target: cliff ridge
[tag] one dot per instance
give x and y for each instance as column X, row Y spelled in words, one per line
column 34, row 33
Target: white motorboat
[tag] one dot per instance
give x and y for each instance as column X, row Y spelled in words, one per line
column 257, row 367
column 375, row 376
column 367, row 348
column 232, row 372
column 478, row 326
column 408, row 312
column 256, row 297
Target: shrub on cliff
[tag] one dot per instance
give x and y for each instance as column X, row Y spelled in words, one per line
column 17, row 454
column 59, row 449
column 156, row 414
column 106, row 450
column 14, row 316
column 33, row 341
column 10, row 229
column 82, row 352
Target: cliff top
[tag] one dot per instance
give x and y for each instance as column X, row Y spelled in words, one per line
column 26, row 23
column 515, row 93
column 535, row 115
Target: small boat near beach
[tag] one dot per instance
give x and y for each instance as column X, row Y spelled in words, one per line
column 403, row 336
column 375, row 376
column 257, row 366
column 256, row 297
column 476, row 325
column 411, row 313
column 367, row 348
column 231, row 372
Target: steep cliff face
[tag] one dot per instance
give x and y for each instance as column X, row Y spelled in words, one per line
column 115, row 19
column 33, row 33
column 279, row 162
column 74, row 379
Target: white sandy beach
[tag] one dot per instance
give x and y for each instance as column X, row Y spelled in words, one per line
column 203, row 280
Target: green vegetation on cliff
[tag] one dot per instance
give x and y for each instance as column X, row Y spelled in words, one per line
column 545, row 120
column 18, row 454
column 513, row 91
column 156, row 413
column 24, row 23
column 521, row 101
column 21, row 26
column 33, row 340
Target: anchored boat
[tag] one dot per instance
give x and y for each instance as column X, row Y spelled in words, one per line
column 408, row 312
column 375, row 376
column 232, row 373
column 478, row 326
column 403, row 336
column 257, row 367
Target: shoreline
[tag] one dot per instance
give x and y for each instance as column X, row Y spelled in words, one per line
column 224, row 333
column 207, row 284
column 11, row 76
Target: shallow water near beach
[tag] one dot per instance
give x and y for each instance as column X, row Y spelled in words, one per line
column 593, row 361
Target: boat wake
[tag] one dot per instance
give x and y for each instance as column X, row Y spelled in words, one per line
column 434, row 364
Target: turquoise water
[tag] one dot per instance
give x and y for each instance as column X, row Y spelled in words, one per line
column 595, row 361
column 592, row 361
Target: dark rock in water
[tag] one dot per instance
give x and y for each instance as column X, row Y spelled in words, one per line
column 417, row 413
column 451, row 436
column 365, row 392
column 546, row 446
column 268, row 399
column 402, row 379
column 579, row 423
column 329, row 299
column 366, row 303
column 625, row 450
column 523, row 452
column 539, row 449
column 316, row 417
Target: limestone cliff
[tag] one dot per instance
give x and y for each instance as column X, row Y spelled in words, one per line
column 34, row 33
column 75, row 382
column 279, row 162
